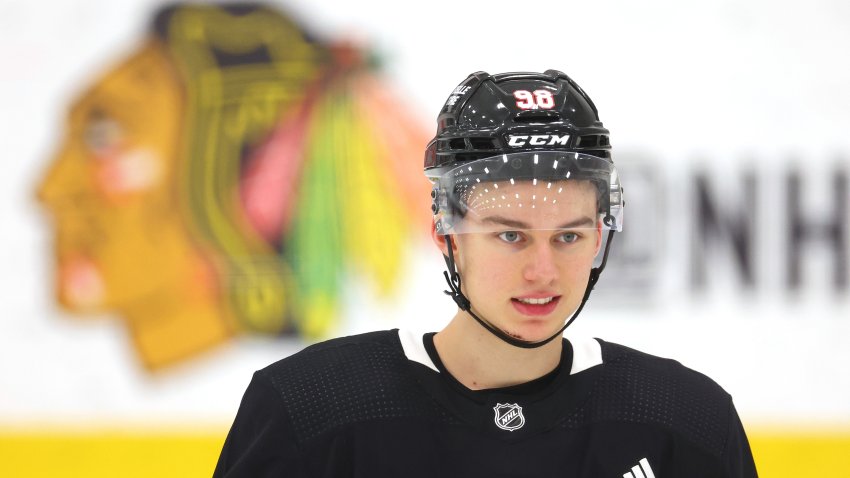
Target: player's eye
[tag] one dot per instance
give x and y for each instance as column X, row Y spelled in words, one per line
column 510, row 236
column 568, row 237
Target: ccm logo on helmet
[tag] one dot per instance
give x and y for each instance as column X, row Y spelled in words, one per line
column 517, row 141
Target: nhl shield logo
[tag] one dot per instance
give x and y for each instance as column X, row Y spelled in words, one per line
column 509, row 416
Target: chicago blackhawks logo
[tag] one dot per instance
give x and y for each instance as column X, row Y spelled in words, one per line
column 228, row 203
column 509, row 416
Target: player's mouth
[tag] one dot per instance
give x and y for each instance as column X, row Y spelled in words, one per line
column 536, row 305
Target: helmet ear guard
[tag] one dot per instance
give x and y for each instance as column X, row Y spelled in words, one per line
column 514, row 129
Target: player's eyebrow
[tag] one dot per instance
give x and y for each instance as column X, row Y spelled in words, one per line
column 583, row 221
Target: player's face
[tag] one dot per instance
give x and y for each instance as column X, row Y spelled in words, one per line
column 529, row 274
column 109, row 190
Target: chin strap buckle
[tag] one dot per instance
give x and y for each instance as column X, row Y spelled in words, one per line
column 455, row 292
column 453, row 280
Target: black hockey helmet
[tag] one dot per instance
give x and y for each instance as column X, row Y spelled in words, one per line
column 488, row 115
column 515, row 126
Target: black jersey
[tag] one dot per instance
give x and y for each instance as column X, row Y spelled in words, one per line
column 382, row 405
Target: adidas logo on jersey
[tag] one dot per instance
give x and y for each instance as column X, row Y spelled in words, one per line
column 641, row 470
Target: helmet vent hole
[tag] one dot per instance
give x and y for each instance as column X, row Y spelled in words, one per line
column 603, row 141
column 481, row 143
column 457, row 143
column 589, row 141
column 537, row 116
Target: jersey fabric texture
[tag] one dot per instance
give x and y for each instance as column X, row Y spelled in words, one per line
column 382, row 405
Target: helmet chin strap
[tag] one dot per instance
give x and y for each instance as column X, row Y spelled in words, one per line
column 453, row 279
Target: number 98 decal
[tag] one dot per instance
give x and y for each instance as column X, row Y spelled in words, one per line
column 532, row 100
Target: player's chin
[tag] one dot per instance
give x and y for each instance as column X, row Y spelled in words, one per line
column 535, row 330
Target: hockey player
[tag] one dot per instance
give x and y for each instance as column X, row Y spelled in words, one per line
column 526, row 201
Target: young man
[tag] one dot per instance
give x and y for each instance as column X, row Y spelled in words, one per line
column 525, row 197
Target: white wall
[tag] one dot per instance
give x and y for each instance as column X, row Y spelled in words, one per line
column 728, row 86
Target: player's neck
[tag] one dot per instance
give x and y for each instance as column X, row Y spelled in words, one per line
column 480, row 360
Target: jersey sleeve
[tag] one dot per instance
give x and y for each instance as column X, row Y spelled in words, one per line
column 738, row 459
column 260, row 442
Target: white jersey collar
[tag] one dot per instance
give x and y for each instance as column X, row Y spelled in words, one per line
column 587, row 352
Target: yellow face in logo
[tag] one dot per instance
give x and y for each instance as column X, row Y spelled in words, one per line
column 120, row 241
column 109, row 187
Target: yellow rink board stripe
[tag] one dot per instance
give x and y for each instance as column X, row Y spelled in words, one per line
column 25, row 454
column 108, row 454
column 801, row 454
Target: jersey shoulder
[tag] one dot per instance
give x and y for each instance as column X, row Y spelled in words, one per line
column 641, row 388
column 628, row 362
column 334, row 351
column 348, row 365
column 344, row 381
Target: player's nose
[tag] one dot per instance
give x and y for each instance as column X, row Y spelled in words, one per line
column 540, row 266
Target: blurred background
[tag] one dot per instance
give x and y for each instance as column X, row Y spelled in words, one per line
column 193, row 192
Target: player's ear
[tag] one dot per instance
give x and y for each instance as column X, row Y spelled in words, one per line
column 440, row 241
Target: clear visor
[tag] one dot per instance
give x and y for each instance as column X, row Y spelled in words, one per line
column 543, row 190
